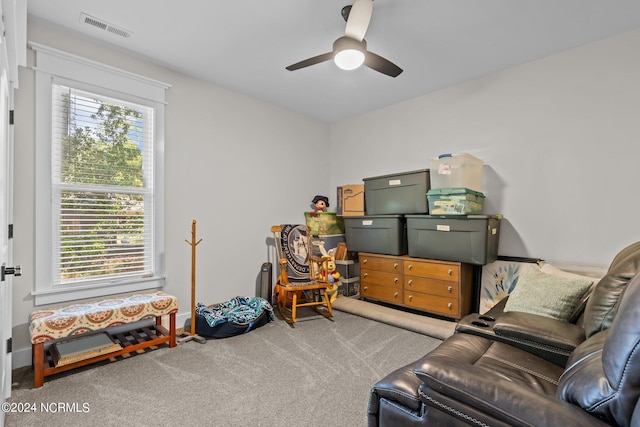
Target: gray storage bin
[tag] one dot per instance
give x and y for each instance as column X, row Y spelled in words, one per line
column 347, row 268
column 327, row 241
column 472, row 239
column 378, row 234
column 397, row 194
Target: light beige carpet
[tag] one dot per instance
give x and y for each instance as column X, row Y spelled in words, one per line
column 316, row 373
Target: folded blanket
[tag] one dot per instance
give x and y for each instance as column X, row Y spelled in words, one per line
column 236, row 310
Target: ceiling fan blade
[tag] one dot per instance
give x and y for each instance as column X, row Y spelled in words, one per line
column 359, row 18
column 311, row 61
column 382, row 65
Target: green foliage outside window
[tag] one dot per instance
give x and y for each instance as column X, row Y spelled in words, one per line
column 102, row 212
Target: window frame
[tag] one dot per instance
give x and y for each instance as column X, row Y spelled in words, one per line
column 55, row 66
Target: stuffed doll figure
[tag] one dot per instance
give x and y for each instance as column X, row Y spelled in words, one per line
column 329, row 274
column 320, row 203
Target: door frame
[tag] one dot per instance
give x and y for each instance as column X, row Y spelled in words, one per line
column 13, row 53
column 6, row 218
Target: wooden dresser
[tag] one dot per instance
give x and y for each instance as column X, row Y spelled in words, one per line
column 440, row 287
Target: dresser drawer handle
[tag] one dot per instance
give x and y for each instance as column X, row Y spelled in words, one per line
column 395, row 265
column 364, row 261
column 450, row 305
column 450, row 272
column 365, row 288
column 450, row 289
column 395, row 280
column 365, row 275
column 395, row 295
column 410, row 282
column 410, row 267
column 410, row 297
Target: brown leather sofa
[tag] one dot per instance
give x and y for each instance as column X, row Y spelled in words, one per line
column 521, row 369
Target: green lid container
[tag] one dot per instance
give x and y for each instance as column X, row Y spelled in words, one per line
column 455, row 201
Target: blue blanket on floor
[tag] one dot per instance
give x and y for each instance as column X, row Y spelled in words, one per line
column 236, row 310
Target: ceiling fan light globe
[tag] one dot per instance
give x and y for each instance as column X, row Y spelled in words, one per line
column 349, row 59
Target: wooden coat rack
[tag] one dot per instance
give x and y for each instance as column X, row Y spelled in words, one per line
column 192, row 334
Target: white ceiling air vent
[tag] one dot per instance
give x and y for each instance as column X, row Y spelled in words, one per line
column 104, row 25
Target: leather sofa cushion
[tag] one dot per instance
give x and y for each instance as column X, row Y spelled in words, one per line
column 582, row 382
column 602, row 304
column 603, row 373
column 462, row 354
column 469, row 375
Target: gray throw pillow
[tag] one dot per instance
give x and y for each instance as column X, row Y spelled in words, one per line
column 547, row 294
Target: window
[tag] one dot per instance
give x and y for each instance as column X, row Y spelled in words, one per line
column 102, row 187
column 99, row 204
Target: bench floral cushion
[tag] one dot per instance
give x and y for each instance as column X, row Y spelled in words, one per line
column 53, row 323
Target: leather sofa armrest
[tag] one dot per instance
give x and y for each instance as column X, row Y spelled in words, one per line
column 548, row 338
column 399, row 386
column 459, row 388
column 545, row 331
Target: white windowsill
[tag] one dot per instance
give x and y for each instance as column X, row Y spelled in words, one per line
column 59, row 295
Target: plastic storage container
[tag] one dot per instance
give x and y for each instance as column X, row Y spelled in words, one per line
column 324, row 223
column 397, row 194
column 472, row 239
column 455, row 201
column 456, row 171
column 324, row 241
column 378, row 234
column 349, row 277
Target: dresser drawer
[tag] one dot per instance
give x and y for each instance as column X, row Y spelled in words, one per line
column 372, row 262
column 435, row 304
column 435, row 270
column 444, row 288
column 373, row 277
column 425, row 285
column 382, row 293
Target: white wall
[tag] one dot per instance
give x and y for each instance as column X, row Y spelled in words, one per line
column 559, row 137
column 235, row 164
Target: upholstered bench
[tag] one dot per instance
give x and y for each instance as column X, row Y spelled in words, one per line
column 75, row 320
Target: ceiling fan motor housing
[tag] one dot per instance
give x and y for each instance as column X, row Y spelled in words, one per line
column 345, row 42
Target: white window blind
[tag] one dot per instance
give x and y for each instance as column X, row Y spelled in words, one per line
column 102, row 187
column 99, row 217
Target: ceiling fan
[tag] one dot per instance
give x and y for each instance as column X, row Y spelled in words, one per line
column 350, row 51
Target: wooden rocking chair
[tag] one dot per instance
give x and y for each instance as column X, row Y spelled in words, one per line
column 303, row 288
